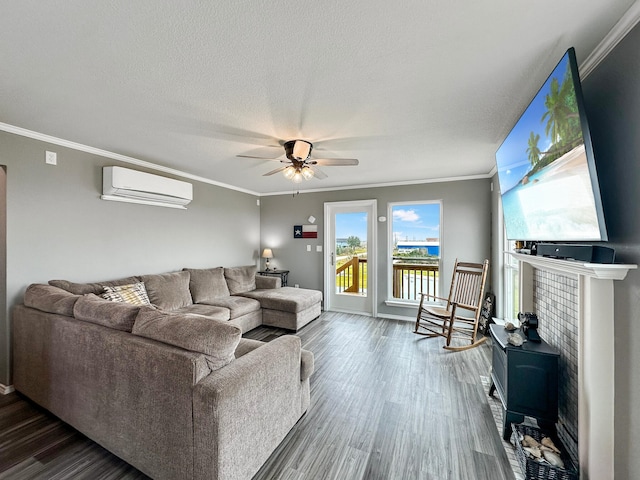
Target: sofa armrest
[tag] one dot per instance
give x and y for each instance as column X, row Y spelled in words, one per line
column 248, row 405
column 265, row 281
column 307, row 364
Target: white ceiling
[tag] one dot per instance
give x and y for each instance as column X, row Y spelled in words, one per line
column 415, row 89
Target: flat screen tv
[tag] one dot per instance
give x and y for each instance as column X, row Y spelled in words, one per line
column 546, row 168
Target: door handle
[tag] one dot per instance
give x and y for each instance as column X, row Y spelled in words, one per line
column 332, row 262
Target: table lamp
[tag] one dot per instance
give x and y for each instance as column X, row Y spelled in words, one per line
column 267, row 253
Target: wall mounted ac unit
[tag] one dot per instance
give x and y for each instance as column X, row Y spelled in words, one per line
column 126, row 185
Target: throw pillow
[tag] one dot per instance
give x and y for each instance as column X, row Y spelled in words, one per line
column 241, row 279
column 135, row 294
column 169, row 291
column 215, row 339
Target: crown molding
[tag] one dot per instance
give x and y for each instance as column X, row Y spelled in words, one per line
column 629, row 20
column 381, row 185
column 116, row 156
column 179, row 173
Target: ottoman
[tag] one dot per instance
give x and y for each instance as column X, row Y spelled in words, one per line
column 287, row 307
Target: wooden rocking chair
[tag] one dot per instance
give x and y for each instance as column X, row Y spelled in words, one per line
column 467, row 288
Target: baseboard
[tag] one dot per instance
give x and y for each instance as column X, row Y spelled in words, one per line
column 396, row 317
column 6, row 390
column 353, row 312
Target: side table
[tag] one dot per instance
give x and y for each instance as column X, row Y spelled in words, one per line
column 283, row 274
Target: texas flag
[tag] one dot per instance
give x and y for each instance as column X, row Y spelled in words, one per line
column 305, row 231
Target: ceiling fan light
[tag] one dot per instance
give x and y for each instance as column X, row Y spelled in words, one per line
column 307, row 173
column 301, row 149
column 289, row 172
column 297, row 177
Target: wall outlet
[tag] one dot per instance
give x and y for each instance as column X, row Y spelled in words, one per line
column 51, row 158
column 296, row 286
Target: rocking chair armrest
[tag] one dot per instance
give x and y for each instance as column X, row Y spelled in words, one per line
column 465, row 306
column 429, row 295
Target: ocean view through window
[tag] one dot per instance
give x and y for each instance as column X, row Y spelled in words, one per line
column 414, row 238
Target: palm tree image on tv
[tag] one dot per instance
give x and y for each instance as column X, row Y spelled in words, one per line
column 561, row 124
column 543, row 167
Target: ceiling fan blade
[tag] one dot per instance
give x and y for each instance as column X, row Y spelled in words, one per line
column 274, row 171
column 334, row 162
column 319, row 174
column 270, row 152
column 261, row 158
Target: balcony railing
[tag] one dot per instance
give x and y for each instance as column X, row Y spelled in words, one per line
column 351, row 277
column 409, row 279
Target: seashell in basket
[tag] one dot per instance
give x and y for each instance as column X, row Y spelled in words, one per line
column 533, row 451
column 553, row 458
column 547, row 442
column 529, row 441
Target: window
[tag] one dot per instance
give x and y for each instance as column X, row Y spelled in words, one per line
column 511, row 289
column 510, row 302
column 414, row 244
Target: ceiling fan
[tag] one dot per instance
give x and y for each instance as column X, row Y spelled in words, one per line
column 300, row 165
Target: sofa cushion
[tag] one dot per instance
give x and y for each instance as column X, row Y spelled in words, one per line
column 96, row 287
column 238, row 306
column 207, row 284
column 286, row 299
column 168, row 291
column 218, row 313
column 95, row 309
column 216, row 340
column 264, row 281
column 48, row 298
column 241, row 279
column 134, row 294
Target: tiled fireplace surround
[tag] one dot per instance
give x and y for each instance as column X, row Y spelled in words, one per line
column 556, row 302
column 575, row 305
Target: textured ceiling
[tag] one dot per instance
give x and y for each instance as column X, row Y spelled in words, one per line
column 416, row 90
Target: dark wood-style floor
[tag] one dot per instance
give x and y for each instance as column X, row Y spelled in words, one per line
column 385, row 404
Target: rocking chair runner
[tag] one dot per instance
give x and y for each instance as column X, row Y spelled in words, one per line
column 467, row 288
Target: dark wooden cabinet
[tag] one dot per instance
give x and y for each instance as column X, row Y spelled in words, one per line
column 526, row 380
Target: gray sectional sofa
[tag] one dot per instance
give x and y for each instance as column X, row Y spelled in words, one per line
column 172, row 387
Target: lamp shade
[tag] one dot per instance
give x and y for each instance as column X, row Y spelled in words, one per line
column 267, row 253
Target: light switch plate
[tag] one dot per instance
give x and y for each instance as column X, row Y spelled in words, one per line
column 51, row 158
column 318, row 248
column 308, row 248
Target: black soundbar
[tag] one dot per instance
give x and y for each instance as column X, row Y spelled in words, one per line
column 583, row 253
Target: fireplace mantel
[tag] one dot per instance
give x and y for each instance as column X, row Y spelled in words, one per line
column 596, row 353
column 604, row 271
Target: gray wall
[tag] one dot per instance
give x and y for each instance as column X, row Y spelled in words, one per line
column 465, row 233
column 57, row 226
column 612, row 99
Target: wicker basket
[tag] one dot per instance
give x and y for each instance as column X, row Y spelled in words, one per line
column 533, row 470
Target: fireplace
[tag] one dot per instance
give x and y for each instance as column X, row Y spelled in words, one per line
column 574, row 302
column 556, row 301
